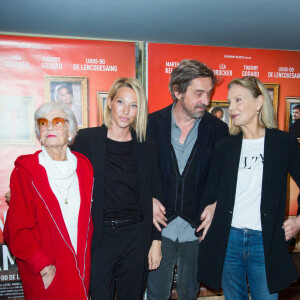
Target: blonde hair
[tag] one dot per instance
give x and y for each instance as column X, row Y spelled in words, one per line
column 140, row 123
column 266, row 115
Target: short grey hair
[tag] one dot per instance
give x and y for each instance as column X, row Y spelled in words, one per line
column 45, row 109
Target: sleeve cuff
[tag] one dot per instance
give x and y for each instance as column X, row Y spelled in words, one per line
column 38, row 261
column 156, row 235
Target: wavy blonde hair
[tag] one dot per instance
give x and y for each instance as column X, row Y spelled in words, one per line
column 266, row 115
column 140, row 123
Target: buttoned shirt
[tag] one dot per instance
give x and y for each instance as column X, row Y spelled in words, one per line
column 179, row 228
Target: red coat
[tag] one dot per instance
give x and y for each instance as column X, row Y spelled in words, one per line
column 37, row 236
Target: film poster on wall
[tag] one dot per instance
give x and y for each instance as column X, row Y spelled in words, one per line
column 278, row 70
column 34, row 70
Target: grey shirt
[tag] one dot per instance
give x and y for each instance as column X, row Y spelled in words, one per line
column 179, row 228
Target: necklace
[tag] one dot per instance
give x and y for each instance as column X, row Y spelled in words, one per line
column 65, row 199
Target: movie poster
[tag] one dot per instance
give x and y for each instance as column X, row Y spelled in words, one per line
column 278, row 70
column 34, row 70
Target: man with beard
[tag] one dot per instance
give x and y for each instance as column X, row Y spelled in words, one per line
column 186, row 134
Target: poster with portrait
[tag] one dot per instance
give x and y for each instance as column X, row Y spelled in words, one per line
column 274, row 68
column 71, row 91
column 220, row 110
column 101, row 100
column 16, row 120
column 292, row 124
column 273, row 89
column 35, row 70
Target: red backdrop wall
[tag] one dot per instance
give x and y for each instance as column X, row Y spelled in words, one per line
column 270, row 66
column 24, row 62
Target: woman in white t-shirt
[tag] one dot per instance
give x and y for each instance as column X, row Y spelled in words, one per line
column 244, row 232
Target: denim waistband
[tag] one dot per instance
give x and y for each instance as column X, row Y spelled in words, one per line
column 246, row 230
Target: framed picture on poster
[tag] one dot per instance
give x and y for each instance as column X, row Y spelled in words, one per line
column 220, row 110
column 101, row 99
column 292, row 116
column 71, row 90
column 16, row 120
column 273, row 89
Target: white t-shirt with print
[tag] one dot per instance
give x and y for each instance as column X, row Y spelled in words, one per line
column 246, row 212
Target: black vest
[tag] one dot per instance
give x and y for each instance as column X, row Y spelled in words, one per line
column 182, row 189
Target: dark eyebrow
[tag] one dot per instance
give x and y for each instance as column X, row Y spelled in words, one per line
column 204, row 90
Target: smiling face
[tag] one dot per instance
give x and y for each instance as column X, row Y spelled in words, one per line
column 243, row 107
column 196, row 98
column 54, row 137
column 123, row 108
column 64, row 96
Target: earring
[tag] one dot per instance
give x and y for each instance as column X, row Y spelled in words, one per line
column 69, row 139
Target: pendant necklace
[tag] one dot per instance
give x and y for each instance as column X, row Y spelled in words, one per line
column 65, row 199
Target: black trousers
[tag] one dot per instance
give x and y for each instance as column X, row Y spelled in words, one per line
column 120, row 263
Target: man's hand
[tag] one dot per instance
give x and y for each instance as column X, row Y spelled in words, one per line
column 159, row 212
column 206, row 218
column 48, row 274
column 154, row 255
column 291, row 227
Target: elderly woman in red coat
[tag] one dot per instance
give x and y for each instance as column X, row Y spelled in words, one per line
column 48, row 226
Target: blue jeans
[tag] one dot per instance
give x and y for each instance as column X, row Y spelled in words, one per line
column 184, row 255
column 245, row 258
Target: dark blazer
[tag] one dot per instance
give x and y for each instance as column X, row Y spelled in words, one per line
column 210, row 130
column 91, row 142
column 281, row 156
column 295, row 128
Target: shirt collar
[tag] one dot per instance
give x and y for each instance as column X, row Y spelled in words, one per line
column 173, row 122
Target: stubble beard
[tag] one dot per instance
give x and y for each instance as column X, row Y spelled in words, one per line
column 193, row 114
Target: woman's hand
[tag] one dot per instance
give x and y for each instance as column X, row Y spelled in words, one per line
column 206, row 218
column 158, row 214
column 7, row 196
column 48, row 275
column 291, row 227
column 154, row 255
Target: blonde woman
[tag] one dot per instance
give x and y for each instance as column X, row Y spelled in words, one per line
column 125, row 244
column 246, row 196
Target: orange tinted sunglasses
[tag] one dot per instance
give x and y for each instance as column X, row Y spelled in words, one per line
column 56, row 123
